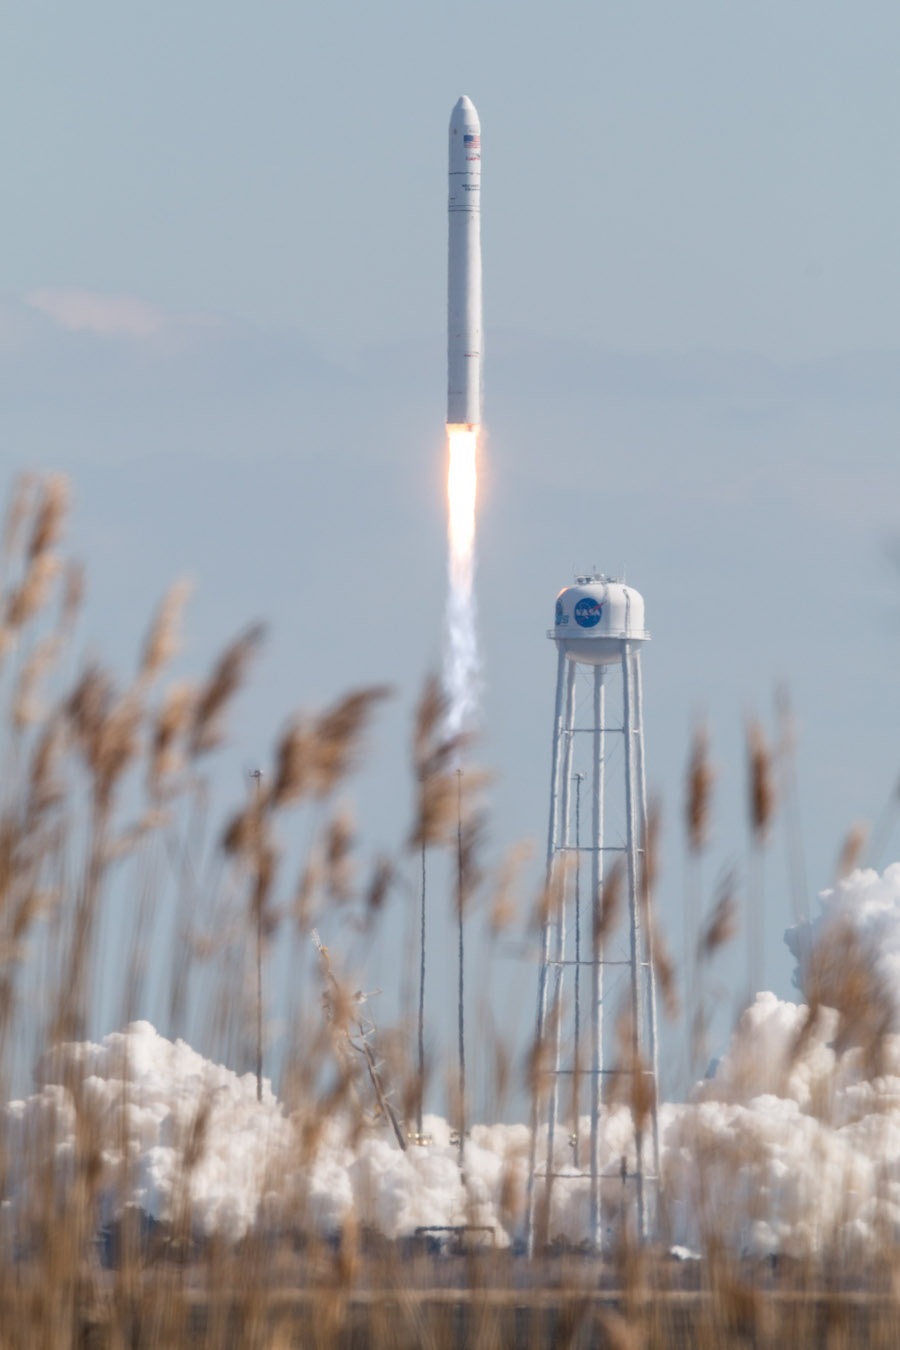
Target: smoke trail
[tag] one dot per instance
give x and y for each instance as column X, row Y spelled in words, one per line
column 461, row 657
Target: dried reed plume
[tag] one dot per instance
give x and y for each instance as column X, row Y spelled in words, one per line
column 435, row 759
column 336, row 741
column 19, row 509
column 608, row 909
column 378, row 888
column 169, row 727
column 504, row 907
column 722, row 925
column 630, row 1081
column 700, row 779
column 27, row 708
column 49, row 516
column 106, row 781
column 227, row 676
column 293, row 764
column 842, row 973
column 338, row 856
column 852, row 849
column 761, row 804
column 761, row 784
column 472, row 833
column 697, row 816
column 663, row 965
column 163, row 638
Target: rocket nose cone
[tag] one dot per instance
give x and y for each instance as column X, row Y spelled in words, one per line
column 464, row 112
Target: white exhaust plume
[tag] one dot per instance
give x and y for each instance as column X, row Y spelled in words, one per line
column 790, row 1147
column 461, row 661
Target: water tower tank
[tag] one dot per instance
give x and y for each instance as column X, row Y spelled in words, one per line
column 595, row 616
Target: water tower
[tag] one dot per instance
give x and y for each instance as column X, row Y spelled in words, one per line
column 598, row 744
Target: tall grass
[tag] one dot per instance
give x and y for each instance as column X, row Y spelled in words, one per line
column 99, row 776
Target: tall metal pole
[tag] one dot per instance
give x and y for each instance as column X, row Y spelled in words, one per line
column 635, row 922
column 597, row 807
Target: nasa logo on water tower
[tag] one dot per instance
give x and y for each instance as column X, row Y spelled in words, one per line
column 588, row 612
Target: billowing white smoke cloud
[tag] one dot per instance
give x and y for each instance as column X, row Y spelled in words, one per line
column 789, row 1147
column 865, row 902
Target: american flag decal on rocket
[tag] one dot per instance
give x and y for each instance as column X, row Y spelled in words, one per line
column 472, row 142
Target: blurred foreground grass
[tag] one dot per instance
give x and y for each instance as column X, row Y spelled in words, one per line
column 99, row 778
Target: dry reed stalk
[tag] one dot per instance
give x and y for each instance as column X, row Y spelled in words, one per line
column 470, row 843
column 851, row 850
column 293, row 765
column 609, row 906
column 303, row 908
column 629, row 1081
column 57, row 844
column 761, row 810
column 71, row 600
column 435, row 760
column 32, row 596
column 842, row 973
column 378, row 889
column 20, row 508
column 537, row 1068
column 337, row 736
column 722, row 925
column 658, row 953
column 504, row 906
column 168, row 727
column 27, row 708
column 761, row 783
column 162, row 642
column 115, row 747
column 700, row 779
column 338, row 850
column 226, row 679
column 698, row 801
column 49, row 516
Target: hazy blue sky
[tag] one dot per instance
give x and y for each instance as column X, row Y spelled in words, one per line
column 223, row 314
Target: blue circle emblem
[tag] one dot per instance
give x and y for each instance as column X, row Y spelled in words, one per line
column 588, row 612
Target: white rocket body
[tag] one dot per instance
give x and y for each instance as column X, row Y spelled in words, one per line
column 464, row 336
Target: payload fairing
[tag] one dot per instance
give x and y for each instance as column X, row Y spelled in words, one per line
column 464, row 337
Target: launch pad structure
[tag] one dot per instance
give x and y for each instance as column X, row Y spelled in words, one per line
column 599, row 632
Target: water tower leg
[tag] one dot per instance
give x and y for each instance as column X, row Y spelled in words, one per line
column 634, row 910
column 560, row 866
column 540, row 1028
column 597, row 804
column 648, row 935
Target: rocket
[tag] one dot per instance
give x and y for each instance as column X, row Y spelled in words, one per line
column 464, row 338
